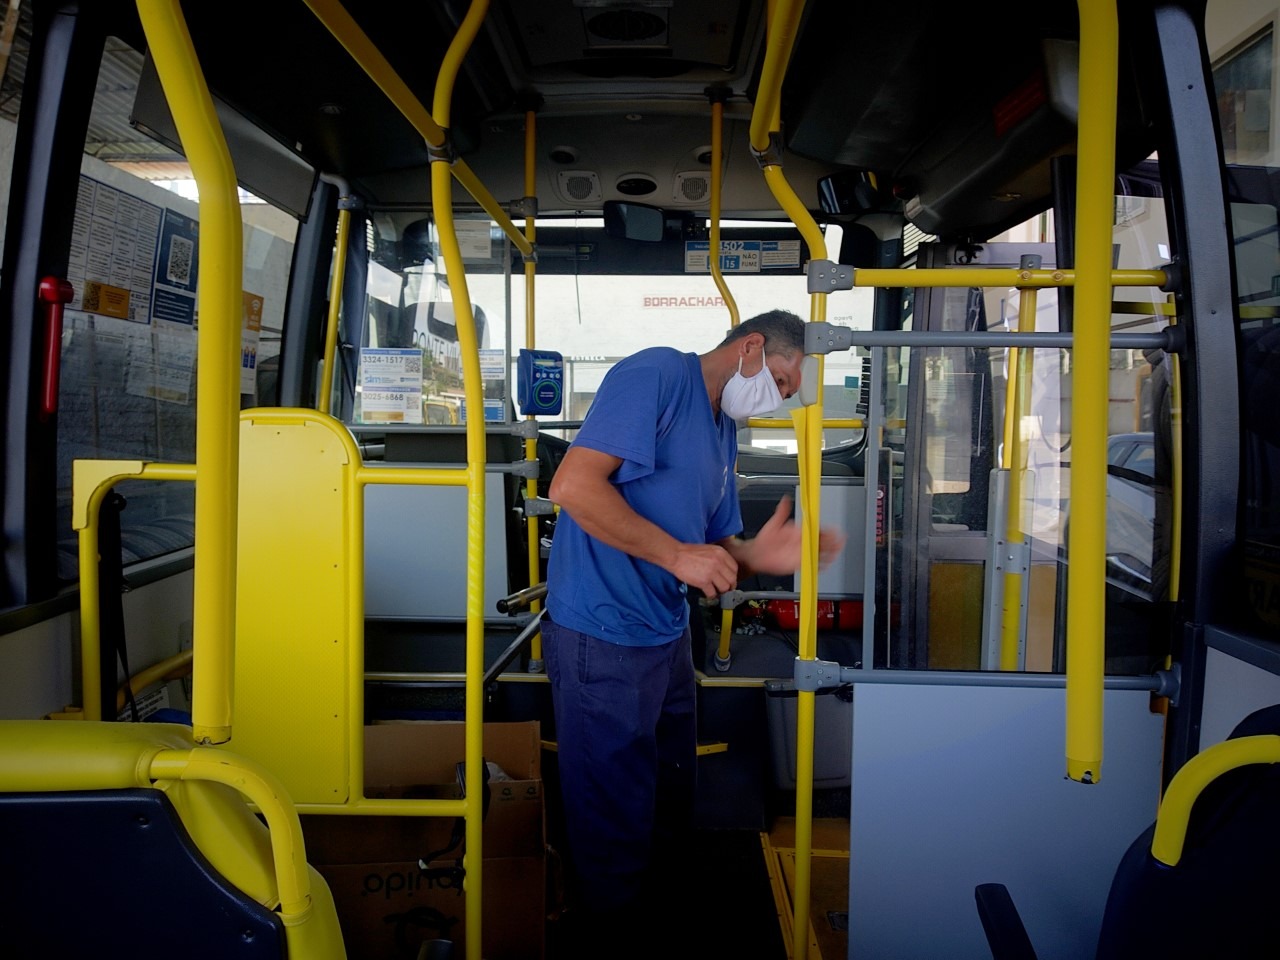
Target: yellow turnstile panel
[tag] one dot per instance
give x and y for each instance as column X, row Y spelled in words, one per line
column 296, row 600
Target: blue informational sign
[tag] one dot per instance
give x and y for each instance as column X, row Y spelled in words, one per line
column 176, row 268
column 742, row 256
column 539, row 382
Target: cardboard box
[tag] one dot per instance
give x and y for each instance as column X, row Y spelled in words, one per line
column 386, row 904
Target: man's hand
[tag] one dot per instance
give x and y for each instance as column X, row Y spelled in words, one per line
column 707, row 567
column 776, row 548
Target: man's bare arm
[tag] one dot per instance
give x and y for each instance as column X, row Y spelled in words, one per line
column 581, row 487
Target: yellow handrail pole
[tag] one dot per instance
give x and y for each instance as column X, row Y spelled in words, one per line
column 713, row 261
column 1195, row 775
column 347, row 32
column 1086, row 546
column 442, row 207
column 783, row 19
column 713, row 255
column 91, row 480
column 167, row 669
column 441, row 188
column 1175, row 431
column 530, row 329
column 325, row 390
column 218, row 377
column 288, row 851
column 1014, row 459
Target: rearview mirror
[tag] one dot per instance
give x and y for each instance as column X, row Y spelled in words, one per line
column 633, row 221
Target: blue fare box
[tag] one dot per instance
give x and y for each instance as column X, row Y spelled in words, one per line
column 539, row 382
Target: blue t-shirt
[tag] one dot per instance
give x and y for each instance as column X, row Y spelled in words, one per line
column 652, row 411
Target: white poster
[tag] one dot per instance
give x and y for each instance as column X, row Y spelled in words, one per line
column 390, row 385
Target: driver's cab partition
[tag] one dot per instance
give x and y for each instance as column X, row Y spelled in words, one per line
column 952, row 487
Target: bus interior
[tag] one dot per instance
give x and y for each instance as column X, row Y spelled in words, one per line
column 306, row 300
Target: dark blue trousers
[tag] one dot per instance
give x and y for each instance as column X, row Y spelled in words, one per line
column 627, row 748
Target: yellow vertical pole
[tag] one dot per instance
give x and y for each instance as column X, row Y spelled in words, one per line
column 1014, row 460
column 442, row 207
column 531, row 443
column 218, row 376
column 1086, row 547
column 1175, row 431
column 717, row 178
column 325, row 390
column 713, row 259
column 783, row 19
column 90, row 619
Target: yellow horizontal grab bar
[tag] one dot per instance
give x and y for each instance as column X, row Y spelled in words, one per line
column 168, row 669
column 1198, row 773
column 775, row 423
column 366, row 807
column 996, row 277
column 433, row 476
column 1144, row 308
column 92, row 479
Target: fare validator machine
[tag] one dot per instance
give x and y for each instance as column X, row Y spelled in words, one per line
column 539, row 382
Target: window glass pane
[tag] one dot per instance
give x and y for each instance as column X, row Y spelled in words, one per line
column 408, row 303
column 1242, row 80
column 129, row 346
column 15, row 22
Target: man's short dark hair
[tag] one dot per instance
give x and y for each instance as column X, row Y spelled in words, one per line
column 783, row 331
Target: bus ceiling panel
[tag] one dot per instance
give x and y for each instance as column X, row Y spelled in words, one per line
column 962, row 122
column 661, row 158
column 580, row 61
column 565, row 48
column 310, row 94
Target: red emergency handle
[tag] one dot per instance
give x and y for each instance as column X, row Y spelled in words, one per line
column 54, row 293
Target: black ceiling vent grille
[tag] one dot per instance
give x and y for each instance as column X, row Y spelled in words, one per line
column 627, row 26
column 636, row 185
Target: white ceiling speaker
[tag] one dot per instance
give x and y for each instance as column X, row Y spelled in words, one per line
column 692, row 187
column 580, row 186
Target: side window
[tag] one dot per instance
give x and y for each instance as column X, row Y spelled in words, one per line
column 1142, row 459
column 15, row 20
column 129, row 354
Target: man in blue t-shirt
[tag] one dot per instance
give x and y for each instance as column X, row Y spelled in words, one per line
column 649, row 504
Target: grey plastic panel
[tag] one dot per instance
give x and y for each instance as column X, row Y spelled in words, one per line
column 415, row 549
column 841, row 506
column 953, row 786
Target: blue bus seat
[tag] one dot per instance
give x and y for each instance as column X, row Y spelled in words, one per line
column 103, row 872
column 117, row 838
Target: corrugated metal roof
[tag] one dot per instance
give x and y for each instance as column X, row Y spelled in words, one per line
column 111, row 136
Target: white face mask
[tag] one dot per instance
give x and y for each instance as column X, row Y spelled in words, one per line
column 747, row 397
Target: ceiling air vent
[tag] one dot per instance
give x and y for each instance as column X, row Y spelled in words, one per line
column 627, row 27
column 582, row 186
column 692, row 187
column 635, row 184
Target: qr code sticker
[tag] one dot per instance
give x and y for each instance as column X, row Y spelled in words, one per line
column 179, row 268
column 413, row 364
